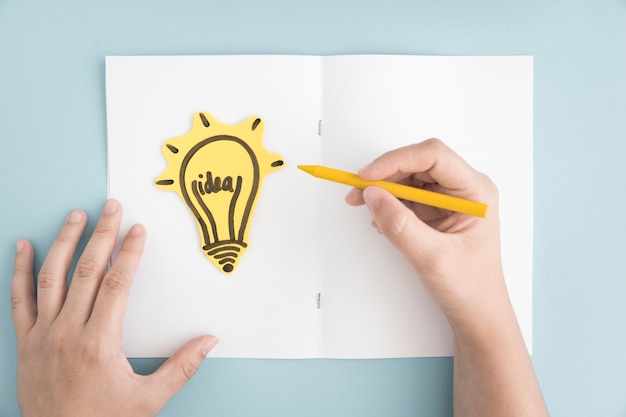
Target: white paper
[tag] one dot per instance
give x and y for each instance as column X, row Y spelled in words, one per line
column 304, row 240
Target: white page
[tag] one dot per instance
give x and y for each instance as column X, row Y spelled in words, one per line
column 302, row 232
column 482, row 108
column 266, row 307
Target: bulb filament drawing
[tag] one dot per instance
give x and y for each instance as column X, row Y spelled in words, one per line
column 218, row 170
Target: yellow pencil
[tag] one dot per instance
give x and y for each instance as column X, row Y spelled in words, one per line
column 402, row 191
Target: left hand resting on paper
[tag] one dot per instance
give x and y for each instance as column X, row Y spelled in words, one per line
column 70, row 360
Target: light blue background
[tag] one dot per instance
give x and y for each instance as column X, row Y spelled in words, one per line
column 53, row 159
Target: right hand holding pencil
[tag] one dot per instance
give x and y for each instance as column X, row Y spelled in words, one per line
column 457, row 256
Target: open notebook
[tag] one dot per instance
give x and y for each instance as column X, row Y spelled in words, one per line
column 316, row 280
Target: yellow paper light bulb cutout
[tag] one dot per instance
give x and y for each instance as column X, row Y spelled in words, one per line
column 218, row 171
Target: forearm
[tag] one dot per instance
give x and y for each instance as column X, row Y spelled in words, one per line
column 493, row 373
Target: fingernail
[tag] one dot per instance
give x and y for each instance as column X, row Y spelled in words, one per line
column 75, row 217
column 19, row 246
column 136, row 230
column 372, row 197
column 109, row 208
column 208, row 346
column 352, row 194
column 365, row 168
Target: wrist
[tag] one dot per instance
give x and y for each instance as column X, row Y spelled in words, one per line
column 492, row 326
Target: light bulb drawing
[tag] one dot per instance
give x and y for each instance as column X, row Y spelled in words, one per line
column 218, row 170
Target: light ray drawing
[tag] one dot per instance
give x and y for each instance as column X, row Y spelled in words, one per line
column 218, row 171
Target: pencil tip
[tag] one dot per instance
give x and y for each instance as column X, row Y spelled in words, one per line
column 307, row 168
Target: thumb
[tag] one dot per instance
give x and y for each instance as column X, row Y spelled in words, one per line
column 180, row 368
column 399, row 225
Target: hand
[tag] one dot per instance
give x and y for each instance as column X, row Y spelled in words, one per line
column 457, row 256
column 70, row 360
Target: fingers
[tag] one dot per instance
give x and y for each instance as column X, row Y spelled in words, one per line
column 112, row 298
column 180, row 368
column 400, row 226
column 355, row 197
column 23, row 302
column 432, row 166
column 430, row 161
column 52, row 279
column 93, row 263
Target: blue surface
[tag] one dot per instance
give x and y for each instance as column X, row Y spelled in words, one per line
column 53, row 148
